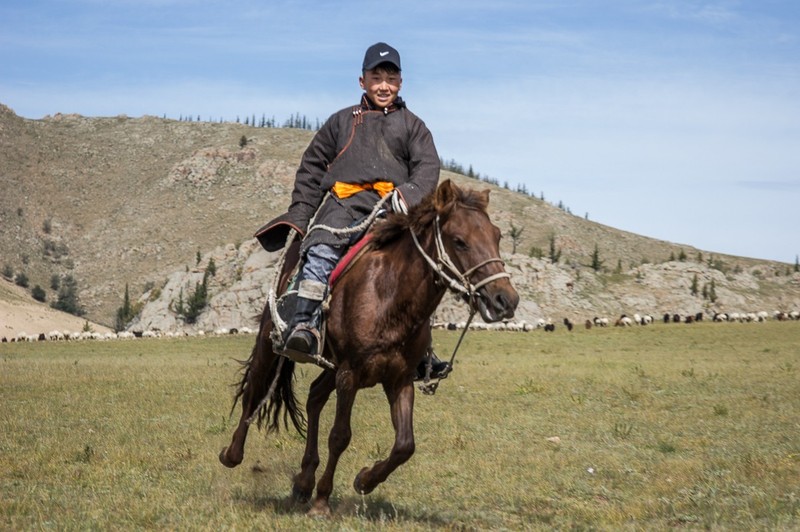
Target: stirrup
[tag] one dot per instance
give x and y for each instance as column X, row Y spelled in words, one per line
column 435, row 371
column 300, row 355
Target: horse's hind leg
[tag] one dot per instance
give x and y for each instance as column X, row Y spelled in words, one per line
column 252, row 390
column 255, row 381
column 318, row 396
column 402, row 406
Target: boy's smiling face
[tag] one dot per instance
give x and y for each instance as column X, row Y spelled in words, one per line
column 381, row 85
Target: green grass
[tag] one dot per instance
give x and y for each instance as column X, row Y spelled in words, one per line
column 694, row 426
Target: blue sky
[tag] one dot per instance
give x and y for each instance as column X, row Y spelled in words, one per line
column 678, row 120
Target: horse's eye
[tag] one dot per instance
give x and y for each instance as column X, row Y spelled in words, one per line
column 460, row 244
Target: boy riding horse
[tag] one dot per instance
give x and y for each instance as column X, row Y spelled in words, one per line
column 360, row 155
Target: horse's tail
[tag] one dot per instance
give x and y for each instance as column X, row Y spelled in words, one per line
column 263, row 374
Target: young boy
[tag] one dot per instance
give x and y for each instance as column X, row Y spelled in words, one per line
column 360, row 154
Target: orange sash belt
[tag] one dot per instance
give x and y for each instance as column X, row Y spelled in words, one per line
column 345, row 190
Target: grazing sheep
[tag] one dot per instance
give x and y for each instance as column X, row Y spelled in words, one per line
column 623, row 321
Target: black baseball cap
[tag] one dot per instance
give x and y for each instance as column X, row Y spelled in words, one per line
column 380, row 53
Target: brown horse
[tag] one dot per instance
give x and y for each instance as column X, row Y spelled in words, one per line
column 378, row 330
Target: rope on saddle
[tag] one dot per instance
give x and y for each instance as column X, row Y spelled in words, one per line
column 363, row 226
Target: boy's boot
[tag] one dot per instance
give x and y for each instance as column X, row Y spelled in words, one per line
column 439, row 368
column 302, row 343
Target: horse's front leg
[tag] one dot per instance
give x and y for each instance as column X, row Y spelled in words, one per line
column 338, row 440
column 318, row 396
column 401, row 401
column 252, row 390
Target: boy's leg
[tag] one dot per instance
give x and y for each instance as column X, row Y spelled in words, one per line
column 319, row 262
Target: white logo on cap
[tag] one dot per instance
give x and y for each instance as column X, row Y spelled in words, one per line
column 383, row 54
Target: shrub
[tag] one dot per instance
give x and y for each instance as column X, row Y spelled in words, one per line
column 21, row 280
column 38, row 293
column 67, row 300
column 196, row 301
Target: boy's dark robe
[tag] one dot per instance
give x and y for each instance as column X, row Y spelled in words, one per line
column 356, row 145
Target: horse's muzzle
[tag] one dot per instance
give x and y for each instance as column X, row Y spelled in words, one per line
column 497, row 304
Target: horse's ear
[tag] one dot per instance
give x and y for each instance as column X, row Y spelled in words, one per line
column 445, row 195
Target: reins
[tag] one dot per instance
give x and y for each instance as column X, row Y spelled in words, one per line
column 460, row 284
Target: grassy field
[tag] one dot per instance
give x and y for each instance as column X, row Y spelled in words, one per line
column 671, row 425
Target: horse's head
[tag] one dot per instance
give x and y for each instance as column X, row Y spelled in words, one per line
column 471, row 243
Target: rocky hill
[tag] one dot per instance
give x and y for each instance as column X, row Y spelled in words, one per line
column 148, row 202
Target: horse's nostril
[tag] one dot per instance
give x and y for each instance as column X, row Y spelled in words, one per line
column 506, row 304
column 500, row 302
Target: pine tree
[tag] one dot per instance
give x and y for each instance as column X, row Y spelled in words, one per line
column 596, row 262
column 555, row 253
column 694, row 288
column 125, row 313
column 515, row 234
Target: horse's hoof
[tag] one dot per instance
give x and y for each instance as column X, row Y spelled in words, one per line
column 300, row 496
column 358, row 485
column 226, row 460
column 319, row 510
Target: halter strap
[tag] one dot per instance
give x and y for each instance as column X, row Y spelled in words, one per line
column 461, row 283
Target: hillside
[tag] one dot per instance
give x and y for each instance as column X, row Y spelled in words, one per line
column 117, row 200
column 19, row 314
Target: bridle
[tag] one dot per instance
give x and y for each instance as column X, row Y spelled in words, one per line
column 456, row 280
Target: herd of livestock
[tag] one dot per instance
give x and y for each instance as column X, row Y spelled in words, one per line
column 523, row 326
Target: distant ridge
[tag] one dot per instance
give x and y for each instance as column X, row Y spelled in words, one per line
column 118, row 200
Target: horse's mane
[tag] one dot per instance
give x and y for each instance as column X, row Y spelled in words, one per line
column 422, row 215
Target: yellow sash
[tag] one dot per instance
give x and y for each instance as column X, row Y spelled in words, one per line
column 345, row 190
